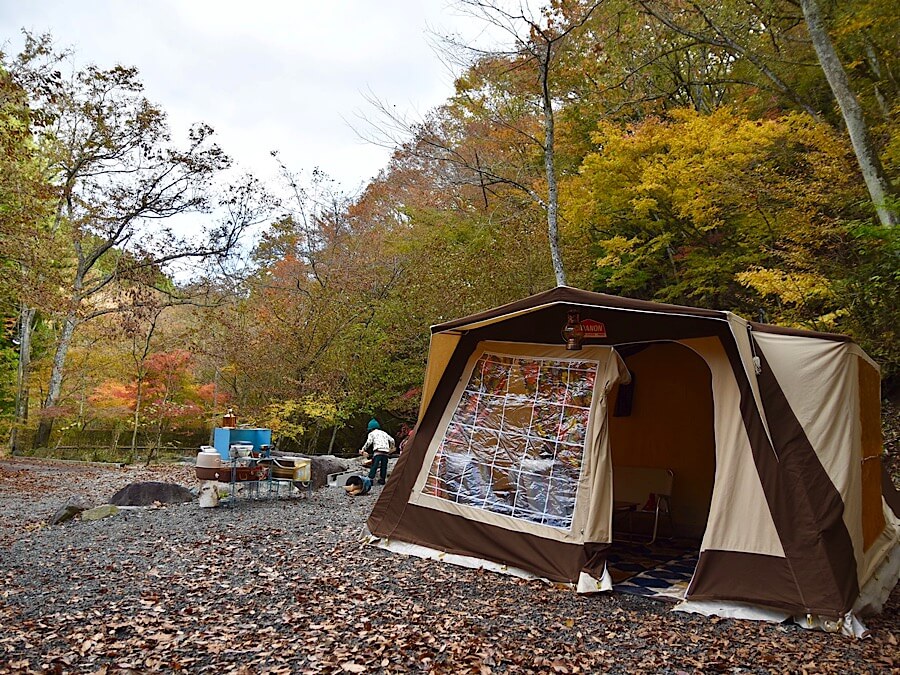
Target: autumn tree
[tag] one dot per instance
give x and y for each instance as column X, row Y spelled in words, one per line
column 117, row 178
column 879, row 185
column 289, row 337
column 770, row 38
column 720, row 211
column 166, row 390
column 140, row 323
column 506, row 100
column 25, row 207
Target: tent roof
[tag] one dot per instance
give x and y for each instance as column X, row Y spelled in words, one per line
column 575, row 296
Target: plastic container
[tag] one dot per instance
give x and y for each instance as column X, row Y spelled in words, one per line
column 240, row 449
column 209, row 459
column 292, row 468
column 302, row 469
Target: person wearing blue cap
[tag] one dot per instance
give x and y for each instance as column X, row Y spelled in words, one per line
column 379, row 444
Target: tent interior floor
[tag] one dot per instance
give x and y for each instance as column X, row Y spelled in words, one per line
column 662, row 570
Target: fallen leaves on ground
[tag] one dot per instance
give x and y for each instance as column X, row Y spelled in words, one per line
column 284, row 586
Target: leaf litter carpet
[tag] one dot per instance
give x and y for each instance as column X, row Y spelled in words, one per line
column 285, row 587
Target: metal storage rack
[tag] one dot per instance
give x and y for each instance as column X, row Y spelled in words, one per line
column 278, row 473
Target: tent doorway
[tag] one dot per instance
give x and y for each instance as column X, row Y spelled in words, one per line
column 663, row 421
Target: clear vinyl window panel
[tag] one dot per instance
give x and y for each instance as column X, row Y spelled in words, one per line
column 515, row 443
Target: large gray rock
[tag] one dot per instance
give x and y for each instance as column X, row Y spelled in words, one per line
column 322, row 465
column 73, row 506
column 145, row 494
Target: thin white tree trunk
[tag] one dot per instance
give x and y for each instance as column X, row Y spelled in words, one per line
column 334, row 431
column 550, row 169
column 160, row 420
column 56, row 374
column 879, row 186
column 137, row 413
column 26, row 328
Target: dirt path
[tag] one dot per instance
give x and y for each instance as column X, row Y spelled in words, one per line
column 285, row 587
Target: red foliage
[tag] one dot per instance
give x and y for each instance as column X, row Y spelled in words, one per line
column 169, row 394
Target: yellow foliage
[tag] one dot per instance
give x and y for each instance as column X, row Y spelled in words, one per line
column 292, row 418
column 831, row 320
column 795, row 288
column 675, row 208
column 704, row 170
column 615, row 248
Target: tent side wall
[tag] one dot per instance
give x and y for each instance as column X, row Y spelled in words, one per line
column 741, row 545
column 818, row 573
column 833, row 390
column 807, row 506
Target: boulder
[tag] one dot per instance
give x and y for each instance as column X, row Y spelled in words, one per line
column 73, row 506
column 322, row 465
column 145, row 494
column 99, row 512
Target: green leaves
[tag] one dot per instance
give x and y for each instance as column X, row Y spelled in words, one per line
column 291, row 419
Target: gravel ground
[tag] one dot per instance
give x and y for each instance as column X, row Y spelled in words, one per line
column 284, row 586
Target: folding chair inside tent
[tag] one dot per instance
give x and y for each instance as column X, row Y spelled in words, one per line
column 647, row 490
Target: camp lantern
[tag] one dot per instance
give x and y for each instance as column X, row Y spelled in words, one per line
column 573, row 333
column 229, row 420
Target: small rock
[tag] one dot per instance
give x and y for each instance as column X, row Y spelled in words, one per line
column 73, row 506
column 145, row 494
column 99, row 512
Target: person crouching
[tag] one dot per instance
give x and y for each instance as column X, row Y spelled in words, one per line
column 358, row 485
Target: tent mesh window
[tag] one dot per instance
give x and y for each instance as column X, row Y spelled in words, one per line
column 515, row 442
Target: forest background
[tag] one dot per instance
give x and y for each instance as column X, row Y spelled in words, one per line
column 737, row 154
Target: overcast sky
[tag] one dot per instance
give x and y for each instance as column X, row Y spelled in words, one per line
column 266, row 75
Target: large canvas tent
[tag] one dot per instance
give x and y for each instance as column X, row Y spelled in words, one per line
column 773, row 436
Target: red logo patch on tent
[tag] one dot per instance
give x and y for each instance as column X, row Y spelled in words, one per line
column 593, row 329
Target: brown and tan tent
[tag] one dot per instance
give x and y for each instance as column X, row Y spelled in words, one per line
column 772, row 435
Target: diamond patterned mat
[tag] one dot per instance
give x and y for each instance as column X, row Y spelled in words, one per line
column 662, row 571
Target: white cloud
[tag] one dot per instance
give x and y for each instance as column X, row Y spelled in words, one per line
column 266, row 75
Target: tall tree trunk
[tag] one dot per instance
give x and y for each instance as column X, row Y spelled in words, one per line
column 55, row 386
column 879, row 186
column 334, row 431
column 140, row 369
column 160, row 421
column 137, row 413
column 550, row 169
column 26, row 327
